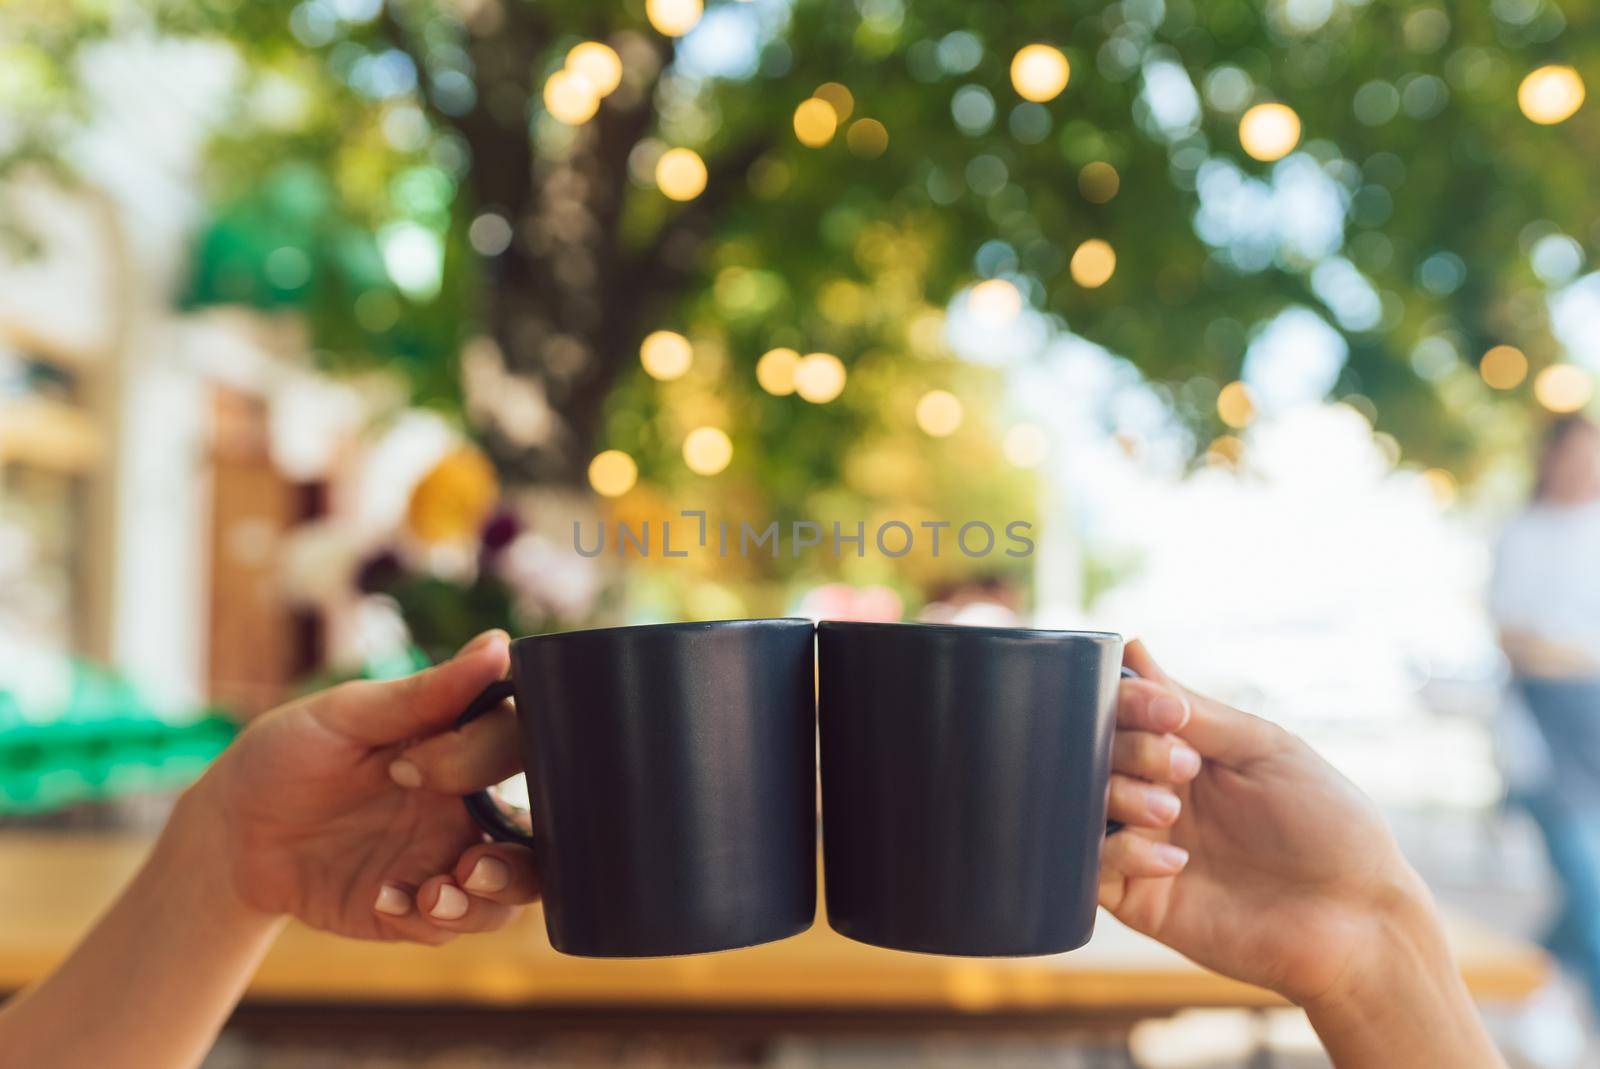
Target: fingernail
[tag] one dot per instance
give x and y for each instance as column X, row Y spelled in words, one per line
column 393, row 901
column 1169, row 712
column 1163, row 806
column 483, row 639
column 1185, row 763
column 490, row 874
column 452, row 904
column 405, row 773
column 1173, row 857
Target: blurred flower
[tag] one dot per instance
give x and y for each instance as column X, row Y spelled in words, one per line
column 546, row 581
column 379, row 572
column 841, row 601
column 453, row 501
column 317, row 561
column 499, row 531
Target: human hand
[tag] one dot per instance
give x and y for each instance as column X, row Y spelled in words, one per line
column 314, row 817
column 1279, row 872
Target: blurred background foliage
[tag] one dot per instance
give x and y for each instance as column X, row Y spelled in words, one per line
column 428, row 184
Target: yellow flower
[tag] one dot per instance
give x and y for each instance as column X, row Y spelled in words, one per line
column 453, row 501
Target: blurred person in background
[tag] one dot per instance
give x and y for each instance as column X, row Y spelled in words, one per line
column 1244, row 851
column 1545, row 599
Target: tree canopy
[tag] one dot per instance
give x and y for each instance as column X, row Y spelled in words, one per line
column 431, row 184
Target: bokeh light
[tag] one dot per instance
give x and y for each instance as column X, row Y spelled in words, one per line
column 598, row 63
column 1269, row 131
column 838, row 97
column 707, row 450
column 612, row 473
column 815, row 122
column 1226, row 450
column 1441, row 484
column 1039, row 72
column 995, row 300
column 1563, row 388
column 666, row 355
column 939, row 413
column 1551, row 94
column 1026, row 445
column 570, row 97
column 867, row 138
column 673, row 18
column 775, row 371
column 1099, row 181
column 681, row 174
column 1503, row 367
column 819, row 377
column 1093, row 263
column 1235, row 406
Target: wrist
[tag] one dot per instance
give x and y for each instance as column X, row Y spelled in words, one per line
column 1401, row 1000
column 192, row 859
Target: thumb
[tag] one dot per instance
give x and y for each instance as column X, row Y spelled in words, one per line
column 382, row 712
column 1218, row 732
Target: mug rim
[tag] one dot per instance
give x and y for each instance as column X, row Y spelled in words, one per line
column 979, row 630
column 679, row 626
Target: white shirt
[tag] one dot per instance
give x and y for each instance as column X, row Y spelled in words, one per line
column 1547, row 575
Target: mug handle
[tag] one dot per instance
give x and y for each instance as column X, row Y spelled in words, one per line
column 480, row 806
column 1114, row 826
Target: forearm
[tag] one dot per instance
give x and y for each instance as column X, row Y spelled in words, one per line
column 1408, row 1007
column 154, row 980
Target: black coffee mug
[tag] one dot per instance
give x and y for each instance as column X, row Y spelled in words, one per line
column 672, row 781
column 964, row 780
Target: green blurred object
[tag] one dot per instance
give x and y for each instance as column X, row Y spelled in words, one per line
column 105, row 742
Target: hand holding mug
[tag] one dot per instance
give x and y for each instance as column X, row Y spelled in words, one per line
column 1279, row 872
column 311, row 823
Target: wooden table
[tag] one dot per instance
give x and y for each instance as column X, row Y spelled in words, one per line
column 52, row 886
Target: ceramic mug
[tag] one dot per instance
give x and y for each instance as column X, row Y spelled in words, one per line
column 965, row 773
column 672, row 781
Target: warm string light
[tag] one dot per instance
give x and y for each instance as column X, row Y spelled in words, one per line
column 612, row 473
column 598, row 63
column 666, row 355
column 1039, row 72
column 939, row 413
column 707, row 450
column 1441, row 484
column 815, row 122
column 570, row 97
column 1093, row 263
column 838, row 97
column 1503, row 367
column 819, row 377
column 1269, row 131
column 995, row 300
column 775, row 371
column 673, row 18
column 1551, row 94
column 681, row 174
column 1563, row 388
column 867, row 138
column 1235, row 406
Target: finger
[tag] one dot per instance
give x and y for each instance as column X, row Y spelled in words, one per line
column 467, row 759
column 445, row 905
column 379, row 713
column 1161, row 758
column 1147, row 705
column 398, row 918
column 1129, row 855
column 1219, row 732
column 499, row 872
column 1140, row 804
